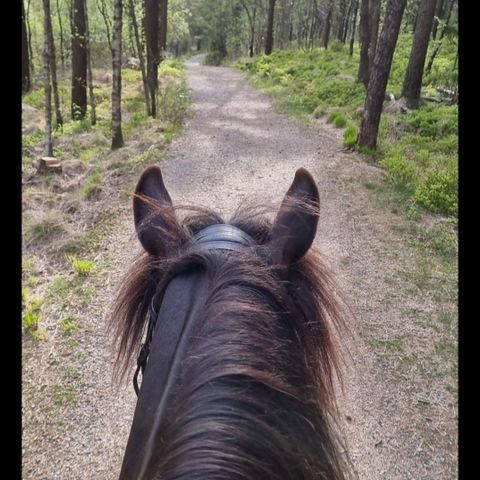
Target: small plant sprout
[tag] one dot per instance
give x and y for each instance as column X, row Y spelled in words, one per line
column 82, row 267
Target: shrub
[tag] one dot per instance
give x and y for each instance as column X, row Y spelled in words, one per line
column 398, row 167
column 439, row 191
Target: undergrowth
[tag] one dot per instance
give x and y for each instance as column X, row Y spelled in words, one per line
column 418, row 149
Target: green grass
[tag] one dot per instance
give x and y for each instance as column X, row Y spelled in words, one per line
column 93, row 186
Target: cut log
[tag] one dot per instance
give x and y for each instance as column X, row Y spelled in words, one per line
column 49, row 165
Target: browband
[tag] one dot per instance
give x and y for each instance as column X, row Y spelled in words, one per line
column 221, row 236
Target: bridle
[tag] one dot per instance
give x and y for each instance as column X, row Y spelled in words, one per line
column 215, row 237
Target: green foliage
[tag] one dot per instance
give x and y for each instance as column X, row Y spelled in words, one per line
column 31, row 318
column 418, row 150
column 82, row 267
column 350, row 136
column 32, row 140
column 24, row 295
column 173, row 96
column 434, row 121
column 438, row 191
column 340, row 121
column 319, row 112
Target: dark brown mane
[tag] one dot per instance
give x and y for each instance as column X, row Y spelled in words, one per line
column 262, row 364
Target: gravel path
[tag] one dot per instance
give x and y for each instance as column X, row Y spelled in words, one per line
column 237, row 147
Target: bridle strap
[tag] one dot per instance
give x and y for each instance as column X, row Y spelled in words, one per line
column 215, row 237
column 145, row 347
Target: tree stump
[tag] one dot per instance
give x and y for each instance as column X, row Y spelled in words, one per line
column 49, row 165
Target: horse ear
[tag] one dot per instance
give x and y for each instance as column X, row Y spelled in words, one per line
column 153, row 212
column 295, row 225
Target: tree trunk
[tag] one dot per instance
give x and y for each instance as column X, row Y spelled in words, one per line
column 29, row 38
column 379, row 75
column 328, row 24
column 79, row 61
column 140, row 54
column 363, row 68
column 251, row 24
column 105, row 15
column 341, row 17
column 439, row 44
column 91, row 95
column 26, row 81
column 439, row 12
column 162, row 37
column 60, row 25
column 354, row 28
column 413, row 78
column 48, row 146
column 53, row 67
column 153, row 54
column 374, row 8
column 269, row 37
column 117, row 137
column 346, row 23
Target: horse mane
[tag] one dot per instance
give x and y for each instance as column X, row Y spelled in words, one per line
column 262, row 363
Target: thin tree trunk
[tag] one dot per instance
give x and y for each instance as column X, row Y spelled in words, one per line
column 105, row 15
column 363, row 68
column 79, row 61
column 439, row 11
column 53, row 70
column 377, row 83
column 354, row 28
column 413, row 78
column 26, row 80
column 140, row 55
column 117, row 137
column 439, row 44
column 29, row 35
column 62, row 51
column 91, row 95
column 153, row 54
column 342, row 15
column 251, row 24
column 269, row 37
column 328, row 24
column 48, row 145
column 346, row 24
column 374, row 24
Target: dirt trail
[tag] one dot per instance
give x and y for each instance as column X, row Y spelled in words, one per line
column 236, row 147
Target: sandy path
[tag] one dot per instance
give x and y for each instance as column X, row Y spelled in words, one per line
column 236, row 147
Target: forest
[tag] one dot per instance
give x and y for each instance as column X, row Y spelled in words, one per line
column 369, row 90
column 319, row 53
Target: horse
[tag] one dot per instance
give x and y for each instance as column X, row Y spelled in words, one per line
column 239, row 358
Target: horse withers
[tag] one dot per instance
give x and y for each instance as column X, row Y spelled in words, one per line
column 238, row 358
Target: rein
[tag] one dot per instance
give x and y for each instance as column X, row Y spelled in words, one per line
column 215, row 237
